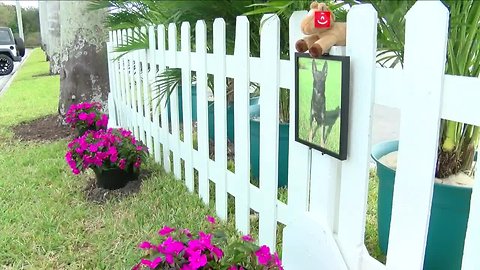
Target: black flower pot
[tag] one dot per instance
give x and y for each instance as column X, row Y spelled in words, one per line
column 114, row 178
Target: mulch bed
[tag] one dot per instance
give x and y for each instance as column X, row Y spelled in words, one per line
column 100, row 195
column 46, row 128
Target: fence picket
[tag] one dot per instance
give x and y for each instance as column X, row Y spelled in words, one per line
column 187, row 103
column 131, row 86
column 162, row 101
column 242, row 124
column 220, row 111
column 171, row 57
column 269, row 92
column 299, row 154
column 361, row 47
column 202, row 112
column 424, row 71
column 155, row 125
column 123, row 81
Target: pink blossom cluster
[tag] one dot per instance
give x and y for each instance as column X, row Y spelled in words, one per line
column 112, row 148
column 179, row 249
column 87, row 116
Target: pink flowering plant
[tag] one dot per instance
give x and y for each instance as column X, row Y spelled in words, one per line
column 86, row 116
column 106, row 149
column 183, row 250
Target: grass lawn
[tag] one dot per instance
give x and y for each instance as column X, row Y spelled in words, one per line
column 46, row 222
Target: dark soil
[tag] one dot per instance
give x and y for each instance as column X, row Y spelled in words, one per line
column 43, row 129
column 100, row 195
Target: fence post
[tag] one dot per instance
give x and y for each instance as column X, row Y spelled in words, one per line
column 361, row 47
column 424, row 71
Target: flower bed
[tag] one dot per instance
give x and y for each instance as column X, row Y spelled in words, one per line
column 101, row 150
column 180, row 249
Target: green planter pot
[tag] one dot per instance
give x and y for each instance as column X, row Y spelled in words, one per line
column 180, row 104
column 255, row 147
column 230, row 119
column 448, row 218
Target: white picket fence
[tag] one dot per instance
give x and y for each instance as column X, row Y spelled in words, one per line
column 327, row 198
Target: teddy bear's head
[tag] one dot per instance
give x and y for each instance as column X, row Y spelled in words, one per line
column 308, row 23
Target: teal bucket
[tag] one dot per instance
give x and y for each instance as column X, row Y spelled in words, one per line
column 255, row 147
column 230, row 119
column 448, row 218
column 180, row 104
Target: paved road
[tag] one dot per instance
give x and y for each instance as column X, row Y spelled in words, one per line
column 5, row 79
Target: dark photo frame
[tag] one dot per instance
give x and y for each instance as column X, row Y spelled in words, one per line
column 322, row 103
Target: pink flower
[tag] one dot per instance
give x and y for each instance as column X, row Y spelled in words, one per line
column 263, row 255
column 121, row 163
column 165, row 231
column 218, row 252
column 151, row 264
column 139, row 148
column 172, row 246
column 146, row 245
column 186, row 267
column 197, row 260
column 247, row 238
column 136, row 267
column 82, row 116
column 187, row 233
column 277, row 261
column 211, row 219
column 137, row 164
column 205, row 239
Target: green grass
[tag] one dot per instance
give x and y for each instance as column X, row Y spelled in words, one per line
column 333, row 98
column 46, row 222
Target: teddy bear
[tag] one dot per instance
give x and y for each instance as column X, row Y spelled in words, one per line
column 318, row 41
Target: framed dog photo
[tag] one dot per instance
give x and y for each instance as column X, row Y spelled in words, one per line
column 321, row 103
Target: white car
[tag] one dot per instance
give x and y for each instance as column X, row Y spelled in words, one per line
column 11, row 50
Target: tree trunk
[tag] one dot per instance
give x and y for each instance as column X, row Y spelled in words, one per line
column 43, row 19
column 53, row 49
column 84, row 69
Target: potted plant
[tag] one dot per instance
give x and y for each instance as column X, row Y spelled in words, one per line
column 181, row 249
column 114, row 155
column 86, row 116
column 457, row 141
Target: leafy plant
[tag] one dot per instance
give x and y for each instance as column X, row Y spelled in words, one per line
column 134, row 14
column 86, row 116
column 101, row 150
column 458, row 141
column 180, row 249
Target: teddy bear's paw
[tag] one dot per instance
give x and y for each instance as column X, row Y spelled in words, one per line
column 315, row 51
column 301, row 46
